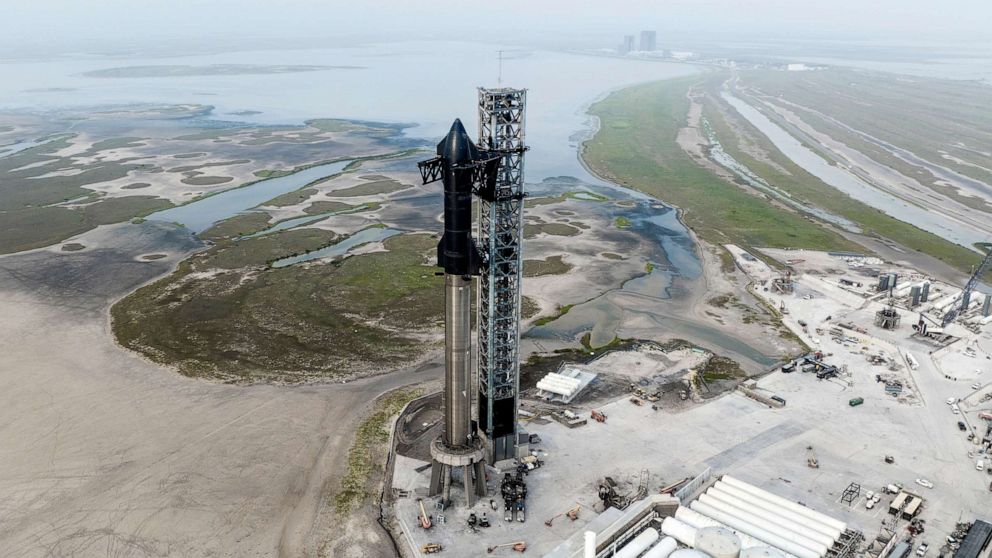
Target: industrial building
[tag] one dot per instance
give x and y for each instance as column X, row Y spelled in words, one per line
column 976, row 541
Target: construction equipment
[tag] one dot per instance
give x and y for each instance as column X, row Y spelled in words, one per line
column 968, row 289
column 674, row 486
column 425, row 520
column 572, row 514
column 609, row 495
column 598, row 416
column 431, row 548
column 518, row 546
column 811, row 461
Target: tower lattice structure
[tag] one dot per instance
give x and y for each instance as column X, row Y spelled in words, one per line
column 501, row 131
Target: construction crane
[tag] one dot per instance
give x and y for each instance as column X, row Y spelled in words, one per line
column 572, row 514
column 968, row 288
column 518, row 546
column 425, row 520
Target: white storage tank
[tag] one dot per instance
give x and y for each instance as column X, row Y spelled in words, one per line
column 688, row 553
column 638, row 544
column 718, row 542
column 680, row 531
column 762, row 552
column 663, row 549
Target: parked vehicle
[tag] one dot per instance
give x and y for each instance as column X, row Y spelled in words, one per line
column 922, row 549
column 976, row 386
column 924, row 482
column 961, row 426
column 869, row 504
column 955, row 409
column 952, row 400
column 856, row 401
column 870, row 495
column 980, row 465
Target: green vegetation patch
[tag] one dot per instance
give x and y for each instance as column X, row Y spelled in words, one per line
column 225, row 314
column 325, row 206
column 378, row 187
column 206, row 180
column 291, row 198
column 622, row 222
column 721, row 368
column 554, row 229
column 241, row 224
column 562, row 310
column 528, row 307
column 552, row 265
column 367, row 455
column 636, row 147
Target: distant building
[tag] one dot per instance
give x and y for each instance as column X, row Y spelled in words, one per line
column 649, row 41
column 628, row 44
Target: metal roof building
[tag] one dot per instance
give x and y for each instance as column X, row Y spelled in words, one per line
column 976, row 541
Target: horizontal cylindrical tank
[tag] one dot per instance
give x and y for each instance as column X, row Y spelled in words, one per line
column 589, row 548
column 688, row 553
column 662, row 549
column 723, row 488
column 762, row 552
column 698, row 520
column 800, row 527
column 799, row 550
column 718, row 542
column 679, row 530
column 638, row 544
column 771, row 524
column 787, row 504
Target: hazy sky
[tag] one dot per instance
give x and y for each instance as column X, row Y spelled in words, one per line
column 44, row 23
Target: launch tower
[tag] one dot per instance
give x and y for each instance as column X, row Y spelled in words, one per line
column 502, row 114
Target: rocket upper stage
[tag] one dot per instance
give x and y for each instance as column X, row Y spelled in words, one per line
column 460, row 159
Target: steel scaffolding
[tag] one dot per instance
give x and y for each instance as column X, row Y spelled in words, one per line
column 501, row 131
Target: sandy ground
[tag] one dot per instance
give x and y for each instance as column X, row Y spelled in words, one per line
column 106, row 454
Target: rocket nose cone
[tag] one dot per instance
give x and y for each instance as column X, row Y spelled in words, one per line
column 457, row 147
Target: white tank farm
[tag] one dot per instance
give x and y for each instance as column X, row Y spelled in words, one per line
column 749, row 512
column 638, row 544
column 688, row 553
column 718, row 542
column 770, row 526
column 762, row 552
column 722, row 488
column 787, row 504
column 662, row 549
column 784, row 543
